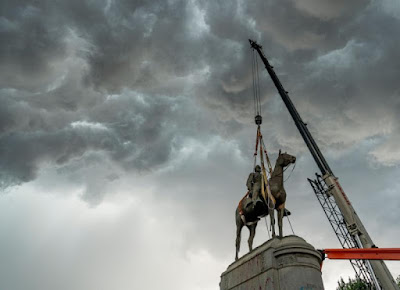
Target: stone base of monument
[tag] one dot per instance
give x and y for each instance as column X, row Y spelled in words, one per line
column 279, row 264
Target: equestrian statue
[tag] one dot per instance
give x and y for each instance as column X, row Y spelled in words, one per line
column 262, row 198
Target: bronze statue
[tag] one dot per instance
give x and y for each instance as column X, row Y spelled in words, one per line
column 253, row 205
column 254, row 183
column 277, row 189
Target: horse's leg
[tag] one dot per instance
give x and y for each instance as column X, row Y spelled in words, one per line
column 281, row 211
column 272, row 216
column 252, row 229
column 239, row 226
column 238, row 230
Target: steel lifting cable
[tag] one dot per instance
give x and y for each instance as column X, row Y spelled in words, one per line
column 256, row 84
column 257, row 112
column 256, row 150
column 293, row 167
column 257, row 108
column 290, row 224
column 259, row 139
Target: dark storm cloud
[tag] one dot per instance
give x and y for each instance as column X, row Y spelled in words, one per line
column 104, row 48
column 144, row 108
column 357, row 82
column 113, row 46
column 32, row 39
column 340, row 69
column 134, row 79
column 137, row 132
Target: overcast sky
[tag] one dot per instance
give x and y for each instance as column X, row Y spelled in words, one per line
column 126, row 133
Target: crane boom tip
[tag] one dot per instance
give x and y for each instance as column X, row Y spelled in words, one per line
column 254, row 44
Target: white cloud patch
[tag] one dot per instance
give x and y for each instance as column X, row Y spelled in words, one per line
column 325, row 9
column 90, row 125
column 391, row 7
column 120, row 244
column 388, row 152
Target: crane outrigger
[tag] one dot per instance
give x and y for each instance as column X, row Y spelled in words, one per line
column 335, row 203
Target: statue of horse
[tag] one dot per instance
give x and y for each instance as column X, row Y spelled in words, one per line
column 249, row 212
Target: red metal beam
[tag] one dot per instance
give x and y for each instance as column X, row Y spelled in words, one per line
column 364, row 254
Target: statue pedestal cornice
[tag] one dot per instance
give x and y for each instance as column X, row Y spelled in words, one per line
column 278, row 264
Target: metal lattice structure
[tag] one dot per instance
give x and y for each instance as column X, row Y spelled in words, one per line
column 333, row 199
column 336, row 219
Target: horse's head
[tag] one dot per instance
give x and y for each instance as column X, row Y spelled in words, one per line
column 285, row 159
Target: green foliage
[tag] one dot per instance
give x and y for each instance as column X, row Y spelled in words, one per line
column 356, row 284
column 353, row 284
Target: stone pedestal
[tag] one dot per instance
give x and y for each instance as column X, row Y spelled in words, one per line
column 279, row 264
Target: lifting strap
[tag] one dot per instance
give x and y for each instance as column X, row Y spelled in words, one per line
column 259, row 141
column 264, row 178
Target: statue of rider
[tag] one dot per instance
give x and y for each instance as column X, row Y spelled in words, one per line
column 254, row 183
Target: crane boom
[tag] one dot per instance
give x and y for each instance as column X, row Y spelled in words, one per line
column 378, row 271
column 301, row 126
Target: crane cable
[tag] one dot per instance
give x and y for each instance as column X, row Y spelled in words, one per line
column 259, row 140
column 256, row 84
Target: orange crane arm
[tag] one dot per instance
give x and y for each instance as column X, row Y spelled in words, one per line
column 363, row 254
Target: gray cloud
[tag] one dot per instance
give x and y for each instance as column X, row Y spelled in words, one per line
column 108, row 101
column 140, row 68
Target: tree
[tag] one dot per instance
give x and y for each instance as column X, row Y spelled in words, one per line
column 353, row 284
column 356, row 284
